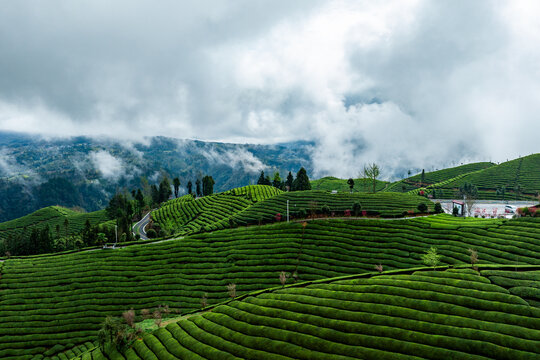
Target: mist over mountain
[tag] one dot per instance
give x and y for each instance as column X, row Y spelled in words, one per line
column 84, row 172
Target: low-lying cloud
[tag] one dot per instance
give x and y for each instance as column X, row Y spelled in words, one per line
column 110, row 167
column 10, row 168
column 409, row 84
column 236, row 158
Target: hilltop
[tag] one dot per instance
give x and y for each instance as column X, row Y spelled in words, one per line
column 60, row 221
column 517, row 179
column 331, row 183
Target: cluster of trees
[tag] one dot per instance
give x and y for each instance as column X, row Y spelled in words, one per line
column 161, row 193
column 41, row 240
column 124, row 208
column 206, row 189
column 290, row 184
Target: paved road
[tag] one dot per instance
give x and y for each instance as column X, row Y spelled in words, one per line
column 141, row 226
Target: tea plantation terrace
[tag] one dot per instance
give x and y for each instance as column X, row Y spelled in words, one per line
column 518, row 177
column 257, row 204
column 52, row 216
column 51, row 303
column 452, row 314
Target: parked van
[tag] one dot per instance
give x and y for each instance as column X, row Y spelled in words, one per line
column 509, row 209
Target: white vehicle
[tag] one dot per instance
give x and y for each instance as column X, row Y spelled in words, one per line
column 509, row 209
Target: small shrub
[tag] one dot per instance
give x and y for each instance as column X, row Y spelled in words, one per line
column 455, row 211
column 164, row 309
column 129, row 317
column 151, row 234
column 145, row 313
column 163, row 233
column 474, row 258
column 431, row 258
column 422, row 207
column 438, row 208
column 231, row 288
column 326, row 210
column 157, row 317
column 302, row 213
column 204, row 300
column 118, row 333
column 137, row 237
column 283, row 278
column 356, row 208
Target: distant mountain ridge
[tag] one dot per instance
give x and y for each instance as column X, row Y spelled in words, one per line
column 84, row 172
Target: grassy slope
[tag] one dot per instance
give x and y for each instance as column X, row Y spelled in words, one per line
column 453, row 314
column 522, row 171
column 434, row 177
column 247, row 205
column 384, row 204
column 52, row 216
column 330, row 183
column 186, row 215
column 78, row 290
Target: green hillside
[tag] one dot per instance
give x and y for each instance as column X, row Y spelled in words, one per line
column 186, row 215
column 524, row 172
column 434, row 177
column 519, row 177
column 52, row 216
column 378, row 204
column 437, row 180
column 62, row 299
column 330, row 183
column 453, row 314
column 261, row 203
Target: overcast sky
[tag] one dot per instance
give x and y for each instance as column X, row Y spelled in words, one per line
column 402, row 83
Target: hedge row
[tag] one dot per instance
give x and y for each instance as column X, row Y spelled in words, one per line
column 186, row 215
column 305, row 203
column 356, row 319
column 60, row 300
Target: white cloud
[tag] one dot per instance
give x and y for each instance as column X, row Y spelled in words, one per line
column 6, row 168
column 9, row 167
column 238, row 157
column 109, row 166
column 408, row 84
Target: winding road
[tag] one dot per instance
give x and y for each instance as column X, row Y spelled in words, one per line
column 140, row 227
